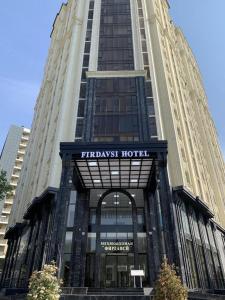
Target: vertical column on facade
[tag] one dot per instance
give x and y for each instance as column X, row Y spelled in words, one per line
column 215, row 257
column 219, row 257
column 207, row 255
column 47, row 253
column 13, row 261
column 165, row 204
column 153, row 245
column 198, row 261
column 135, row 238
column 89, row 110
column 33, row 241
column 15, row 275
column 9, row 265
column 22, row 280
column 179, row 240
column 44, row 212
column 222, row 274
column 59, row 232
column 142, row 110
column 187, row 274
column 79, row 244
column 98, row 254
column 7, row 261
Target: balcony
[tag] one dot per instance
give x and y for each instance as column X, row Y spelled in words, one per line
column 15, row 175
column 6, row 211
column 3, row 242
column 2, row 251
column 26, row 131
column 17, row 168
column 20, row 152
column 22, row 145
column 8, row 201
column 4, row 220
column 19, row 159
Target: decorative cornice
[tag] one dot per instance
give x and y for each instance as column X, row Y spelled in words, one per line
column 14, row 231
column 38, row 201
column 111, row 74
column 188, row 197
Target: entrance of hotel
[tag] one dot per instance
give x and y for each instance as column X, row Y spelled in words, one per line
column 116, row 238
column 116, row 270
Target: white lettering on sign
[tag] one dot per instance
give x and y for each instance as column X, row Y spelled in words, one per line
column 115, row 154
column 117, row 246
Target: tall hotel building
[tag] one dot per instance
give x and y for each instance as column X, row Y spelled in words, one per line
column 123, row 167
column 11, row 160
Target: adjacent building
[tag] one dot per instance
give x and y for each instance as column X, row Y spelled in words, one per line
column 11, row 160
column 123, row 167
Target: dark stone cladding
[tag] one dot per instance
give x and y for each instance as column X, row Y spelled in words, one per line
column 157, row 199
column 142, row 109
column 45, row 225
column 29, row 241
column 197, row 240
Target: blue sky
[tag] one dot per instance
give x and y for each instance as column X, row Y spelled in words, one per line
column 25, row 28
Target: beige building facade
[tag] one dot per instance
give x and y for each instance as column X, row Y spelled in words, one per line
column 181, row 109
column 123, row 166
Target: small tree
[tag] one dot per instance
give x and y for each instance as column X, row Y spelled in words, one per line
column 169, row 285
column 5, row 187
column 44, row 285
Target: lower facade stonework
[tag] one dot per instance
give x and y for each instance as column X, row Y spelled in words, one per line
column 101, row 231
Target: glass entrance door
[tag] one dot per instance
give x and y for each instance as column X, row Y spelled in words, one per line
column 117, row 271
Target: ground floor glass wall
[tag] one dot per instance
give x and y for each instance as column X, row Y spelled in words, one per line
column 116, row 238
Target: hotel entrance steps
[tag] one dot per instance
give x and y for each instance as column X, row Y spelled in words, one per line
column 204, row 296
column 116, row 291
column 108, row 294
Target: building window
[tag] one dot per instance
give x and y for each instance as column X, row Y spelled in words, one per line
column 115, row 115
column 115, row 41
column 71, row 209
column 190, row 262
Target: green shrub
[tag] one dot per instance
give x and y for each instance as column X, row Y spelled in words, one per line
column 44, row 285
column 169, row 285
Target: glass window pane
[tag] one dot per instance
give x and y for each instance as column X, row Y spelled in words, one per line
column 73, row 197
column 68, row 242
column 91, row 247
column 70, row 218
column 92, row 216
column 141, row 242
column 140, row 216
column 115, row 110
